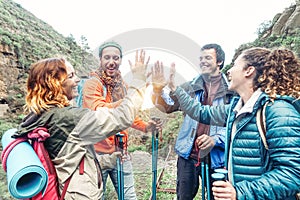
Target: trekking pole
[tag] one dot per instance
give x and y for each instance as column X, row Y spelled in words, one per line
column 155, row 133
column 120, row 175
column 203, row 179
column 207, row 178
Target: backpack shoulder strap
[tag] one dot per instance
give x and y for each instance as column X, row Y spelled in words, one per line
column 261, row 124
column 261, row 120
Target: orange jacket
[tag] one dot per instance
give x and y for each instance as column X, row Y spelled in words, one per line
column 94, row 96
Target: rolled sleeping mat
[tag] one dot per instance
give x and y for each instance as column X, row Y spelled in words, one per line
column 26, row 176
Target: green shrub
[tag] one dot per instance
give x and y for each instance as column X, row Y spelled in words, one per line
column 6, row 40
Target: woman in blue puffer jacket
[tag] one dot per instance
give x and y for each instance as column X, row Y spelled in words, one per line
column 259, row 76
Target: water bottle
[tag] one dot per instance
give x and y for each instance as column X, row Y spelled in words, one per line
column 222, row 171
column 218, row 177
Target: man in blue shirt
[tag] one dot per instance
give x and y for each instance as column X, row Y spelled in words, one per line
column 210, row 88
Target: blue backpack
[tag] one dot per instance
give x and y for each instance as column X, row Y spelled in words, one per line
column 78, row 99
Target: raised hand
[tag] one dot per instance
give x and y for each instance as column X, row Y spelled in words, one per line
column 158, row 77
column 140, row 67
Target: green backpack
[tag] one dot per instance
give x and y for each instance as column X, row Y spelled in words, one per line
column 261, row 125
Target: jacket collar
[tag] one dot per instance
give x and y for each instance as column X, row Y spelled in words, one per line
column 248, row 106
column 197, row 84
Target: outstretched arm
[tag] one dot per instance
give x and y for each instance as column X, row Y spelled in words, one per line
column 202, row 113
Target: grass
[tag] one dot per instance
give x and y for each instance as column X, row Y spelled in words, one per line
column 4, row 194
column 143, row 187
column 5, row 124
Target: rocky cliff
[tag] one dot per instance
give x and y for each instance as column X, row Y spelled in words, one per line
column 24, row 39
column 286, row 23
column 282, row 31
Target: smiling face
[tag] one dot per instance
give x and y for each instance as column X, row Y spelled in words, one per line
column 208, row 62
column 110, row 60
column 70, row 83
column 237, row 74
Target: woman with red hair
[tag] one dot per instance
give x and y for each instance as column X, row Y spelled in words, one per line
column 51, row 85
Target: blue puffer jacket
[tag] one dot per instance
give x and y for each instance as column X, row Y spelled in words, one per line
column 257, row 173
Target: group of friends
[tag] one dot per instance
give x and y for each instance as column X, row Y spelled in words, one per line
column 219, row 127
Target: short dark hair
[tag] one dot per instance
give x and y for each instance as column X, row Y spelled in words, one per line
column 219, row 51
column 109, row 44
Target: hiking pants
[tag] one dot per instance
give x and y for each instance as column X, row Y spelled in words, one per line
column 187, row 178
column 129, row 191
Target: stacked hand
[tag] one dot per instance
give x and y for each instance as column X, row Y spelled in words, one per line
column 158, row 77
column 139, row 68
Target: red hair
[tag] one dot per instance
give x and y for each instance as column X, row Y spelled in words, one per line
column 44, row 85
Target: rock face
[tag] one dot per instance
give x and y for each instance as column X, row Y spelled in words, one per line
column 8, row 63
column 12, row 81
column 282, row 31
column 287, row 22
column 25, row 39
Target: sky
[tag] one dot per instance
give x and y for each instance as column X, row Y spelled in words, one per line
column 169, row 30
column 227, row 22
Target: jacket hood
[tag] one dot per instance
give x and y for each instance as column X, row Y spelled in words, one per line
column 32, row 121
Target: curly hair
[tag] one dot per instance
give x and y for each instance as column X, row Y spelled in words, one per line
column 44, row 85
column 278, row 71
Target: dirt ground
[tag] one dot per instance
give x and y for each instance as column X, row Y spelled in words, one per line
column 142, row 166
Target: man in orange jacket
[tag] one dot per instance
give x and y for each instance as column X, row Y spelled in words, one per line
column 106, row 88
